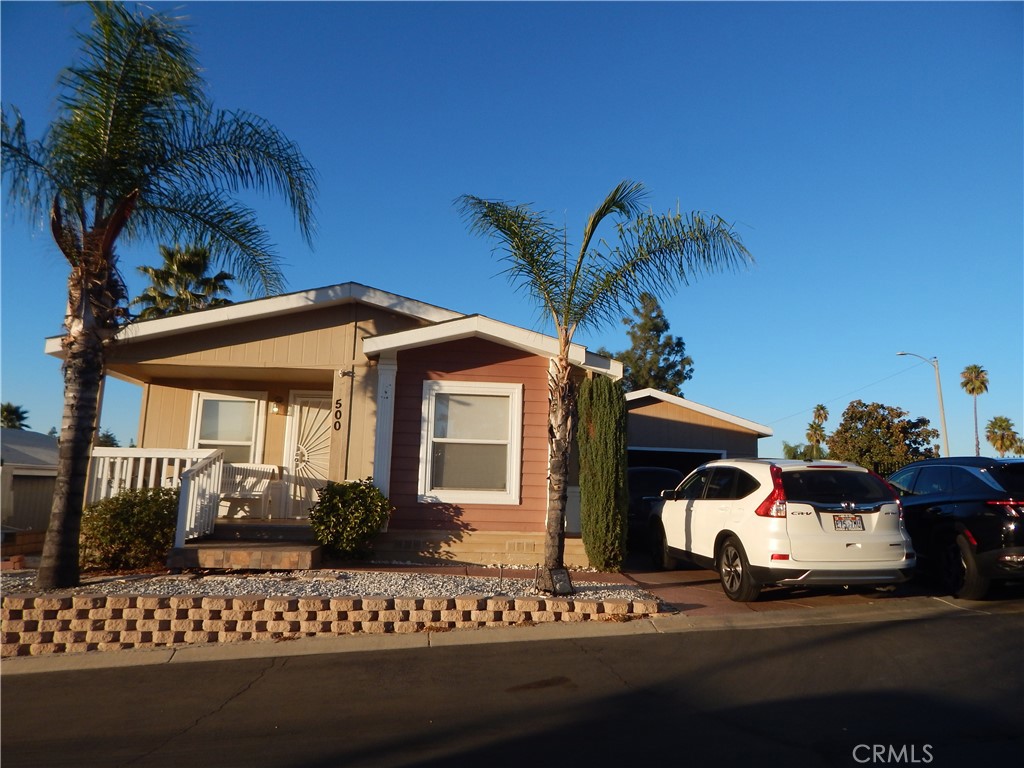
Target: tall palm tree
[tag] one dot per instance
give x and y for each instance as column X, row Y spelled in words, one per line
column 820, row 414
column 183, row 284
column 974, row 381
column 1001, row 435
column 137, row 153
column 815, row 436
column 13, row 416
column 653, row 253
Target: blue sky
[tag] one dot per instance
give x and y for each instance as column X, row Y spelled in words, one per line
column 869, row 154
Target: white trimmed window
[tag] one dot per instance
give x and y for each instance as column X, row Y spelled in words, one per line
column 231, row 421
column 471, row 442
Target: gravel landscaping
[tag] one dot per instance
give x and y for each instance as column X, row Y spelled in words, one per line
column 322, row 583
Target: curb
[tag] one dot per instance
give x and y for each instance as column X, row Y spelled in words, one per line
column 626, row 626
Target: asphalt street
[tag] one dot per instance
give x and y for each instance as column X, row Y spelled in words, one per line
column 926, row 682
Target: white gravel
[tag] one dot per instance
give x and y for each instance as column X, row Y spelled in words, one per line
column 322, row 583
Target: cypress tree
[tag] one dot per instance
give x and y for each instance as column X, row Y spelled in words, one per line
column 604, row 498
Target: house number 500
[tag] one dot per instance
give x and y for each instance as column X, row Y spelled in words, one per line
column 337, row 415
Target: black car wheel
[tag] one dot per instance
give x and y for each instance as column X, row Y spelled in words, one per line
column 659, row 549
column 960, row 572
column 734, row 571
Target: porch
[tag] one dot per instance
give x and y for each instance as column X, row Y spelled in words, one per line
column 226, row 512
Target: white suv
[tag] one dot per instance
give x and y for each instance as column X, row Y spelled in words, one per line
column 765, row 521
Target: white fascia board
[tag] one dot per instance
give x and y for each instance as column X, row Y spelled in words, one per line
column 479, row 326
column 316, row 298
column 665, row 397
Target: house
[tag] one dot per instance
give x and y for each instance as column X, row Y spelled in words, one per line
column 664, row 430
column 28, row 470
column 252, row 407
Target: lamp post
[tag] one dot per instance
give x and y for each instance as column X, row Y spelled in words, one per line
column 934, row 363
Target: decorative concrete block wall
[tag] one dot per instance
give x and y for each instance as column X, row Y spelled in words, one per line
column 33, row 624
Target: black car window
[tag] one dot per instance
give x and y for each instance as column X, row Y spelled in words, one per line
column 1011, row 477
column 745, row 484
column 903, row 481
column 721, row 484
column 830, row 486
column 693, row 488
column 934, row 480
column 966, row 482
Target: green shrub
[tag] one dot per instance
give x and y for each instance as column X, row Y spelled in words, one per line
column 134, row 529
column 348, row 515
column 604, row 500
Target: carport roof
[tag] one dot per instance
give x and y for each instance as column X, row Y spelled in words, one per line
column 665, row 397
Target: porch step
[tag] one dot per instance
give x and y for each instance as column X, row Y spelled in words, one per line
column 263, row 530
column 246, row 555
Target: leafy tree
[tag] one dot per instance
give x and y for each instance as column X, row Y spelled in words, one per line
column 653, row 253
column 107, row 439
column 13, row 416
column 974, row 381
column 655, row 359
column 137, row 153
column 881, row 437
column 801, row 451
column 1001, row 435
column 604, row 499
column 183, row 284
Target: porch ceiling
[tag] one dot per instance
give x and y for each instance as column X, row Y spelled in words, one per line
column 139, row 373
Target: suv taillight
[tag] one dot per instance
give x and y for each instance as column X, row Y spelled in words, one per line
column 775, row 504
column 1010, row 506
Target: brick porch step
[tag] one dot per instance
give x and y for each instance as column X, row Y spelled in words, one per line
column 248, row 555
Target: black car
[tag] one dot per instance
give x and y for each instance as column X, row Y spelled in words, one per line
column 965, row 517
column 647, row 483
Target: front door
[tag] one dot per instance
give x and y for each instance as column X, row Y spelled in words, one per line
column 308, row 449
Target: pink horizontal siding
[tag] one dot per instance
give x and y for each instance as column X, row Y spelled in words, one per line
column 469, row 360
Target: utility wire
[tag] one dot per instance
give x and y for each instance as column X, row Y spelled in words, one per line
column 859, row 389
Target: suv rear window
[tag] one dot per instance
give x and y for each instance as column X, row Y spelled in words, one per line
column 1011, row 477
column 829, row 486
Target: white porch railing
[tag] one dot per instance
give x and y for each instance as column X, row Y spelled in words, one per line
column 200, row 498
column 113, row 470
column 197, row 472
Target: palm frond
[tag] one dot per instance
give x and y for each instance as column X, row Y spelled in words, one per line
column 230, row 231
column 532, row 248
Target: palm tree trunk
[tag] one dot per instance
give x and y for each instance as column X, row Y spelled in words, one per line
column 552, row 577
column 83, row 373
column 977, row 440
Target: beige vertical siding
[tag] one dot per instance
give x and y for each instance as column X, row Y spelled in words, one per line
column 665, row 425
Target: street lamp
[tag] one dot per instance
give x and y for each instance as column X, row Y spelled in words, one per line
column 934, row 363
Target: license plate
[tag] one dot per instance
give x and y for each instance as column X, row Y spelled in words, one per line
column 848, row 522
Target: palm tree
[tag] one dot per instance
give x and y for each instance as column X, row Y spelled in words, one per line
column 1001, row 435
column 653, row 253
column 137, row 153
column 13, row 416
column 182, row 284
column 974, row 381
column 815, row 436
column 820, row 414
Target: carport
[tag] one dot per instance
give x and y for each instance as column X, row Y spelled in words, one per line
column 665, row 430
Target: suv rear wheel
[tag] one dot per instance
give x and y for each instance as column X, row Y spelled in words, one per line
column 960, row 572
column 734, row 571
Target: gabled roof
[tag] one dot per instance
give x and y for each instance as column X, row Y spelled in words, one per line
column 275, row 306
column 665, row 397
column 21, row 447
column 479, row 326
